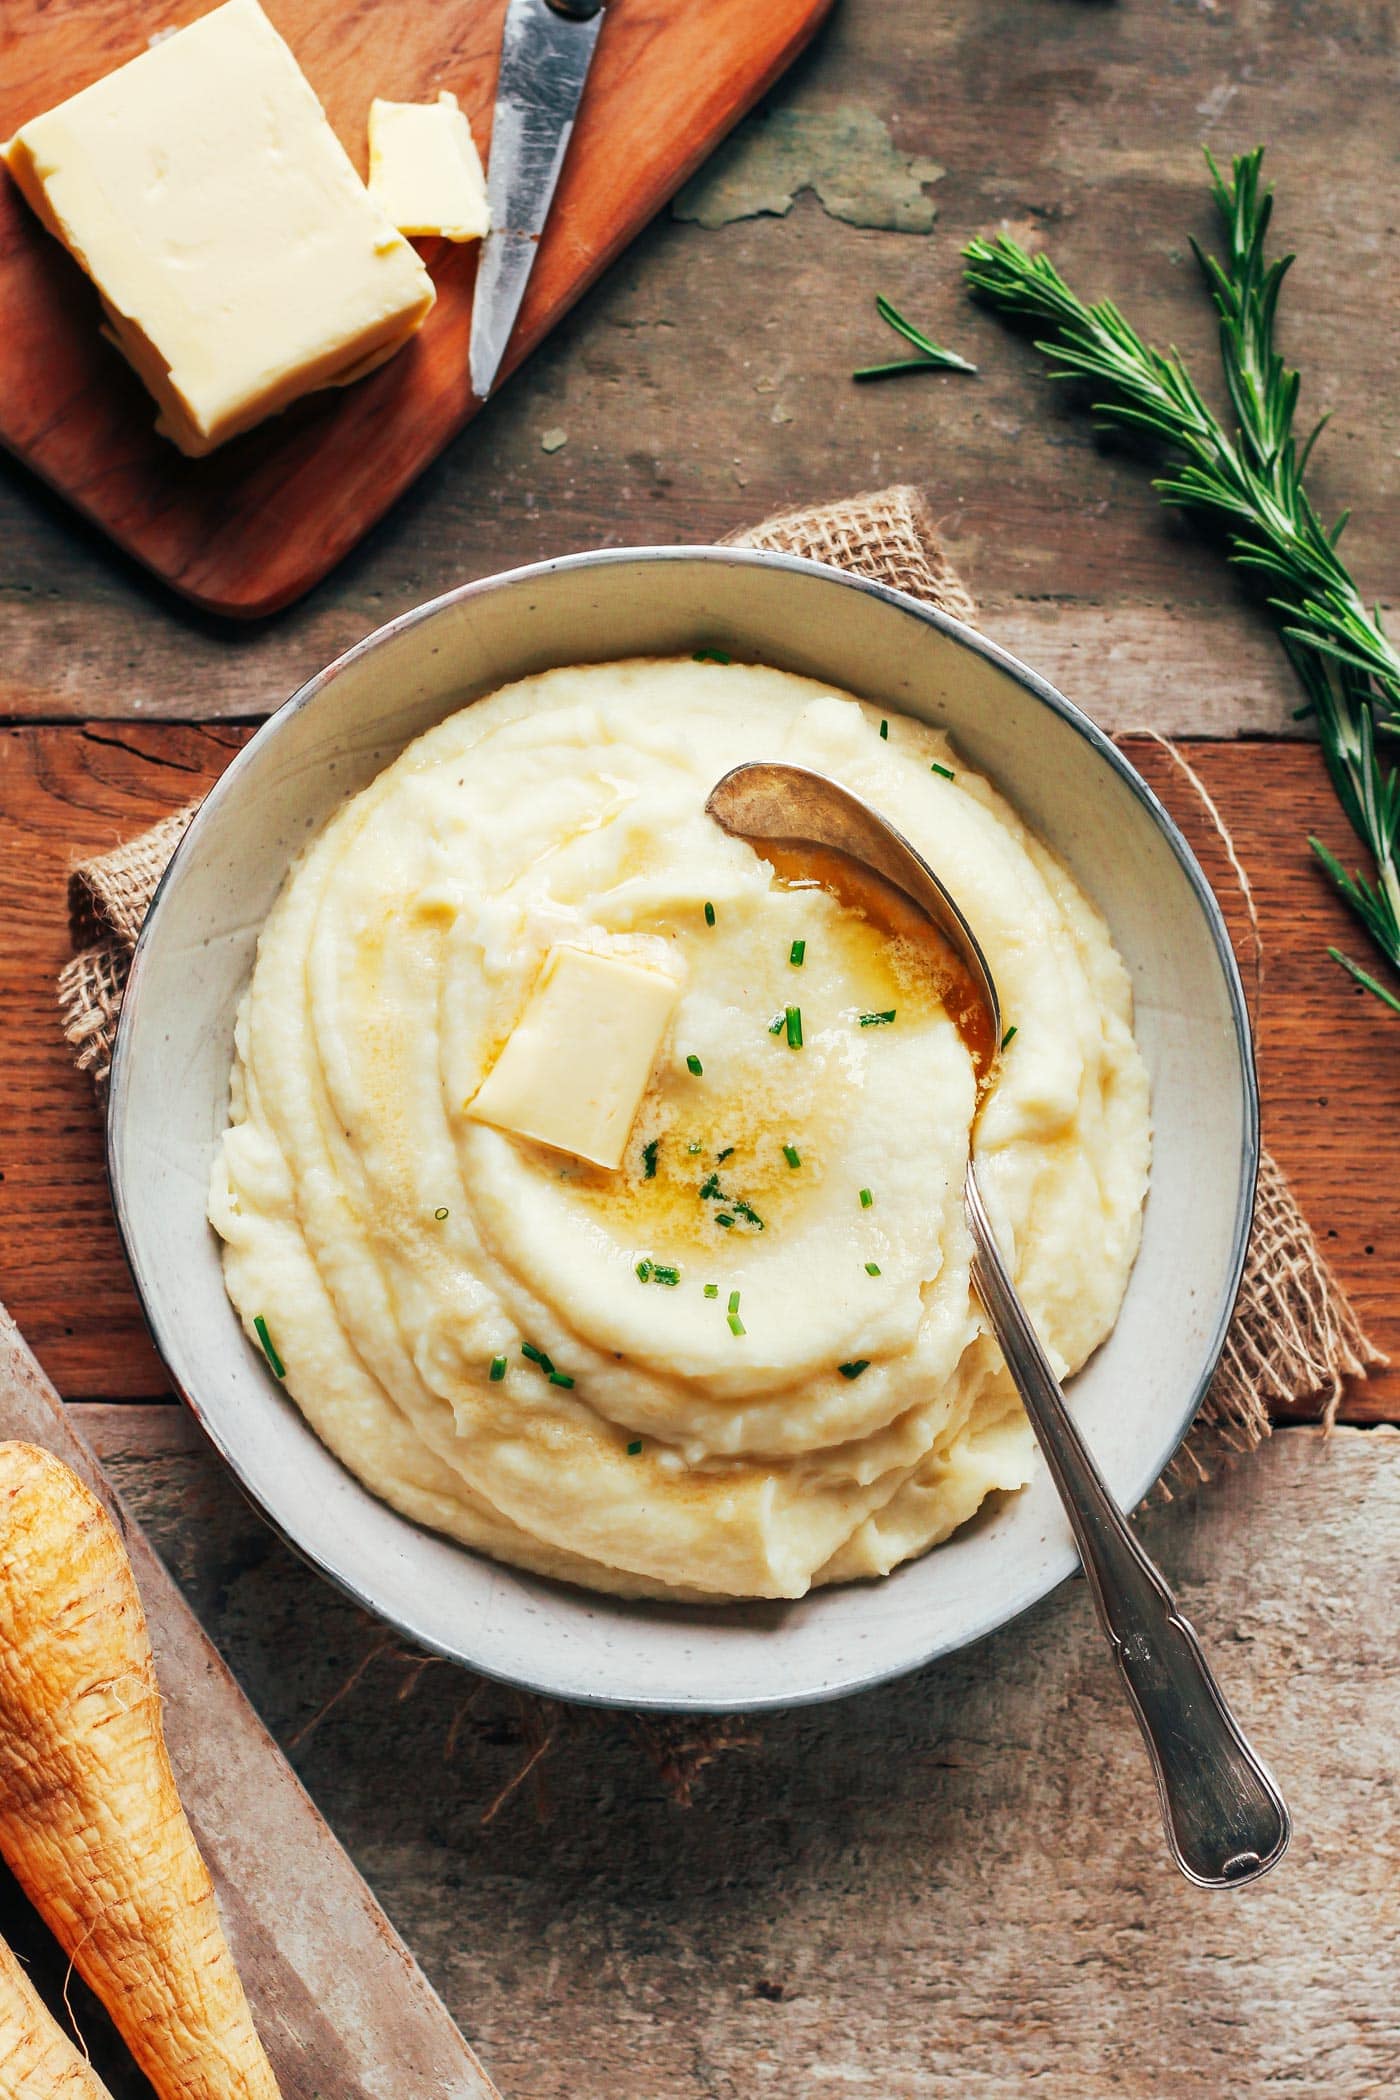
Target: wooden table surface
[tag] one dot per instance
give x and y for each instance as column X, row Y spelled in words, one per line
column 981, row 1906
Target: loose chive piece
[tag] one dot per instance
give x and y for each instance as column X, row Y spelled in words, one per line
column 872, row 1268
column 536, row 1356
column 441, row 1213
column 695, row 1147
column 866, row 1199
column 279, row 1369
column 736, row 1325
column 734, row 1301
column 797, row 954
column 1008, row 1035
column 936, row 768
column 710, row 1189
column 775, row 1027
column 693, row 1065
column 723, row 1218
column 878, row 1020
column 853, row 1370
column 634, row 1449
column 885, row 731
column 560, row 1378
column 793, row 1018
column 709, row 915
column 498, row 1370
column 792, row 1155
column 664, row 1272
column 649, row 1153
column 643, row 1271
column 721, row 1157
column 712, row 656
column 712, row 1290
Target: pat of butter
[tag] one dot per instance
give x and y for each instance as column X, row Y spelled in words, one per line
column 240, row 259
column 425, row 171
column 574, row 1070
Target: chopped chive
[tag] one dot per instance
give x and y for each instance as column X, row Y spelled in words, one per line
column 498, row 1370
column 885, row 731
column 649, row 1153
column 793, row 1017
column 736, row 1325
column 279, row 1369
column 746, row 1210
column 728, row 1153
column 440, row 1214
column 695, row 1147
column 853, row 1370
column 665, row 1272
column 536, row 1356
column 693, row 1065
column 710, row 1188
column 560, row 1378
column 775, row 1027
column 723, row 1218
column 712, row 1290
column 634, row 1449
column 734, row 1301
column 866, row 1199
column 936, row 768
column 797, row 954
column 712, row 656
column 709, row 915
column 643, row 1271
column 872, row 1268
column 1008, row 1035
column 878, row 1020
column 792, row 1155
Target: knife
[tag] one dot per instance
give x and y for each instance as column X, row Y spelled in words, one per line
column 546, row 49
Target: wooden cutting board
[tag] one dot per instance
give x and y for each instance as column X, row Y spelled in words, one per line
column 344, row 2011
column 255, row 525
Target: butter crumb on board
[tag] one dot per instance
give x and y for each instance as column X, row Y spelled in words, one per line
column 240, row 260
column 424, row 169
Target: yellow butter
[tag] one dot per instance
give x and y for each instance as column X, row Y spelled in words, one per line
column 574, row 1070
column 240, row 259
column 424, row 169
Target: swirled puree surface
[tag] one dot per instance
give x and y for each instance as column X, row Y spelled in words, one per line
column 768, row 1367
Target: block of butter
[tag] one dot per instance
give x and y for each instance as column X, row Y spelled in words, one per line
column 240, row 259
column 575, row 1067
column 424, row 169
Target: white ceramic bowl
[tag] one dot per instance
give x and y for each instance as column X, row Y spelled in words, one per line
column 170, row 1087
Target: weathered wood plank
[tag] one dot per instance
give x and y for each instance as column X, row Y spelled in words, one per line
column 338, row 1999
column 949, row 1889
column 1330, row 1069
column 705, row 383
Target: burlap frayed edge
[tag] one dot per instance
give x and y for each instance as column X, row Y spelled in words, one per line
column 1294, row 1337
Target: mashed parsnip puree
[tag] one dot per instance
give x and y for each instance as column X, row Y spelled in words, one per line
column 768, row 1367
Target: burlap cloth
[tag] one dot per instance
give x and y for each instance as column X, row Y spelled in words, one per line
column 1294, row 1337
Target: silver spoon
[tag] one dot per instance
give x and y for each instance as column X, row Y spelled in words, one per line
column 1226, row 1821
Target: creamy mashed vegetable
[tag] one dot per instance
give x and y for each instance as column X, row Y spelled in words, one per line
column 396, row 1248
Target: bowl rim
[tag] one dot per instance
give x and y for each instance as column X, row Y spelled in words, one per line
column 1040, row 688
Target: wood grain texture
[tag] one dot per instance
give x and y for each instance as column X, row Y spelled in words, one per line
column 339, row 2002
column 952, row 1888
column 704, row 382
column 1331, row 1076
column 266, row 516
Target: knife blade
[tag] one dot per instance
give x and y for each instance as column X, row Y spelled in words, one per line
column 546, row 49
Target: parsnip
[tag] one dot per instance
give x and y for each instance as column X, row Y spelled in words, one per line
column 37, row 2060
column 90, row 1821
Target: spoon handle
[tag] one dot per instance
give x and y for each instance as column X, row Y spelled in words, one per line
column 1225, row 1819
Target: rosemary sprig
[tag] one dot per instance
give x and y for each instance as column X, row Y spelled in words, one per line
column 932, row 356
column 1252, row 486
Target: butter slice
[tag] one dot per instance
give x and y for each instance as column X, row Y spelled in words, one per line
column 240, row 259
column 424, row 169
column 573, row 1072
